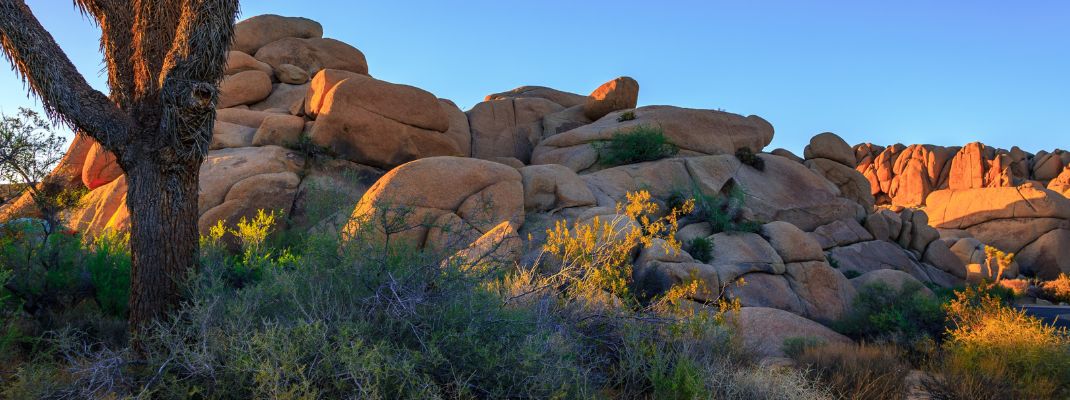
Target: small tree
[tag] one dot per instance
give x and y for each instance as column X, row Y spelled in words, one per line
column 29, row 148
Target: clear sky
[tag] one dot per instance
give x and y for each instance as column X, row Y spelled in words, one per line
column 908, row 71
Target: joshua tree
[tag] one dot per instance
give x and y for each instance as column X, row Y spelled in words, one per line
column 164, row 59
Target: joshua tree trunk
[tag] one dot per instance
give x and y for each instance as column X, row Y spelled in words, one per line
column 164, row 60
column 165, row 202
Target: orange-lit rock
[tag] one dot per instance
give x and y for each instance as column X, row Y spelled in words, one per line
column 99, row 167
column 618, row 94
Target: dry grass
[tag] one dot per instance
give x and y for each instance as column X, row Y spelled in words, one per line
column 1058, row 290
column 863, row 372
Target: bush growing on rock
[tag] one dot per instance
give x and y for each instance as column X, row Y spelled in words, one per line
column 724, row 213
column 701, row 248
column 746, row 156
column 642, row 143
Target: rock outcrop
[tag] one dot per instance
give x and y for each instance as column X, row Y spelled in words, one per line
column 303, row 128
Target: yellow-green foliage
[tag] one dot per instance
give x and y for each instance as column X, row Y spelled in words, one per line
column 597, row 254
column 993, row 345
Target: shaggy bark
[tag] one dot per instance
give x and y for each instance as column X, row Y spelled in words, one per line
column 164, row 60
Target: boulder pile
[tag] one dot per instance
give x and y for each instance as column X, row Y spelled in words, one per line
column 301, row 119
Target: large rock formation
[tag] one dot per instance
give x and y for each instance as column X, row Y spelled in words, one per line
column 304, row 129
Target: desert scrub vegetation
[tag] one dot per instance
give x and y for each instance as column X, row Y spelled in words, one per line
column 639, row 144
column 1057, row 290
column 367, row 317
column 908, row 317
column 724, row 212
column 856, row 372
column 996, row 351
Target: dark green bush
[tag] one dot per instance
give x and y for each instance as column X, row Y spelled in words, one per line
column 850, row 274
column 701, row 248
column 724, row 213
column 626, row 116
column 746, row 156
column 642, row 143
column 908, row 318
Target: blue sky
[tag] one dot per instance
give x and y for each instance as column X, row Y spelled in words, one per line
column 942, row 72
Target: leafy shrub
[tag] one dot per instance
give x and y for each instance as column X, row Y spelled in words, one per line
column 857, row 371
column 997, row 351
column 701, row 248
column 906, row 317
column 626, row 116
column 1057, row 290
column 642, row 143
column 724, row 213
column 108, row 263
column 746, row 156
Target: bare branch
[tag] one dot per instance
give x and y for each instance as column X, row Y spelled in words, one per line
column 50, row 74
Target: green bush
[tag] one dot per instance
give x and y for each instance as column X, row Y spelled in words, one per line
column 746, row 156
column 724, row 213
column 626, row 116
column 907, row 317
column 701, row 248
column 108, row 263
column 642, row 143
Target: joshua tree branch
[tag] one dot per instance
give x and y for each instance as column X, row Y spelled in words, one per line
column 193, row 67
column 63, row 90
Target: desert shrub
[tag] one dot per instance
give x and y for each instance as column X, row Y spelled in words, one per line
column 996, row 351
column 724, row 213
column 1057, row 290
column 851, row 274
column 626, row 116
column 642, row 143
column 701, row 248
column 596, row 256
column 253, row 256
column 746, row 156
column 108, row 264
column 906, row 317
column 854, row 371
column 369, row 317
